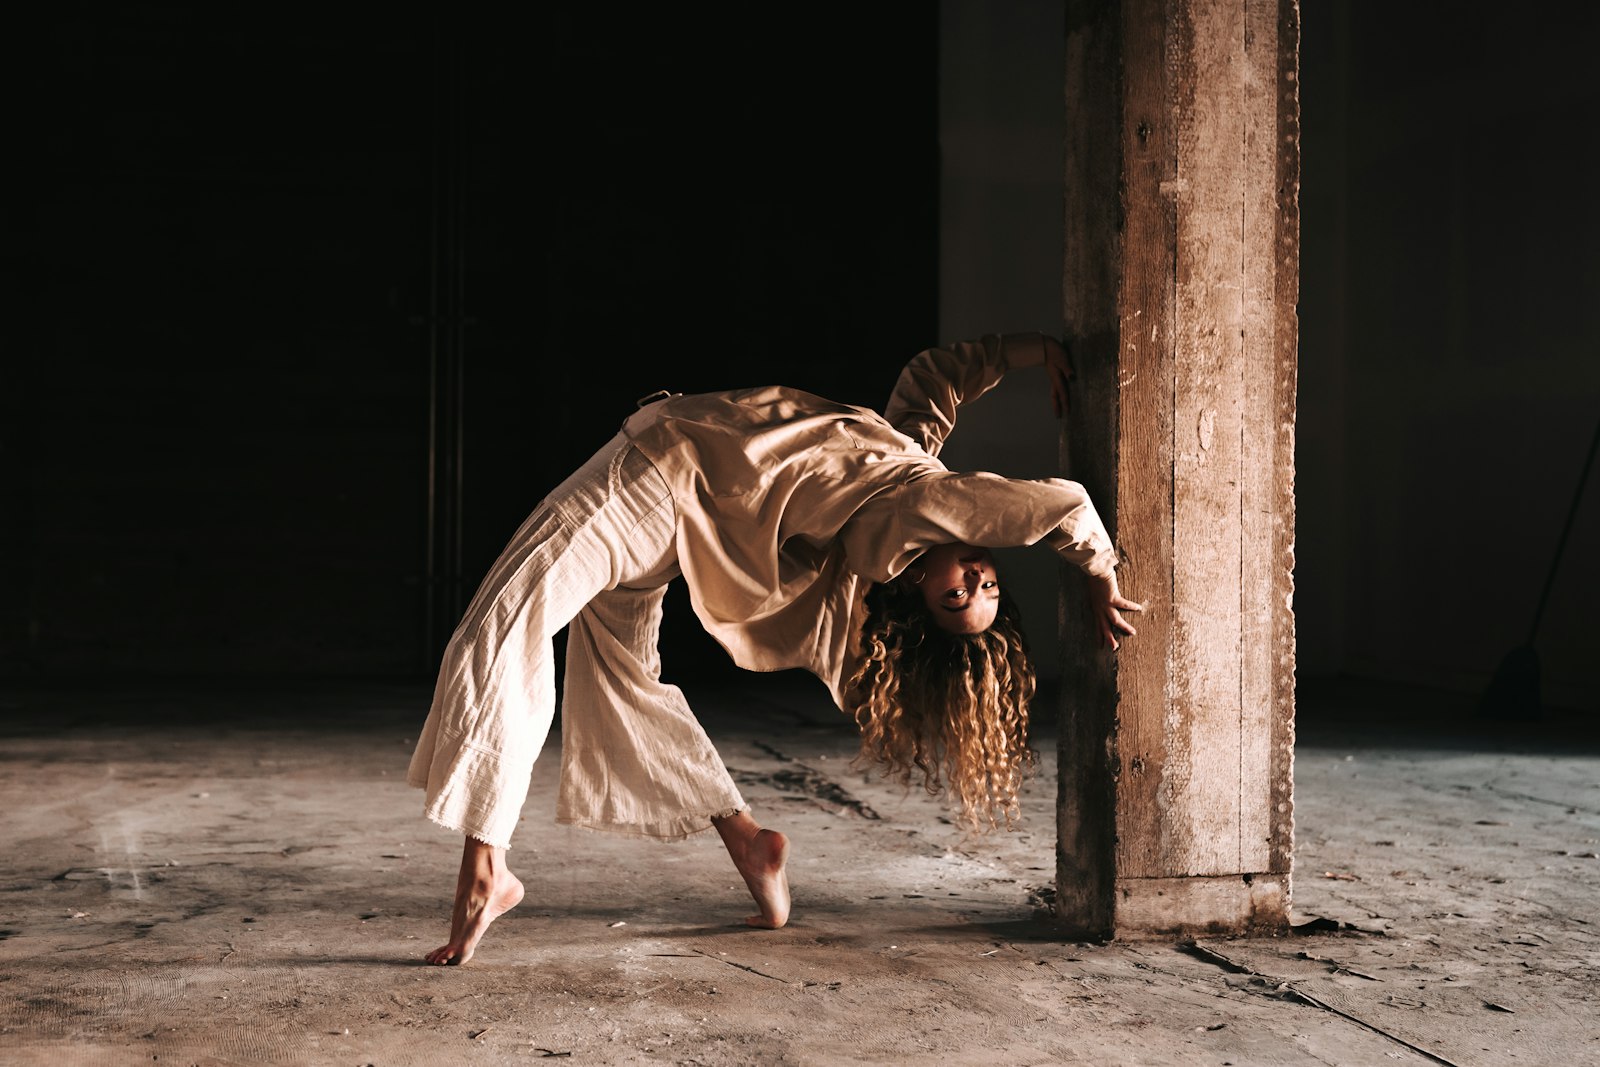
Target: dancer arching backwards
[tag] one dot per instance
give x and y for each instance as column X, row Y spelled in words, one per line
column 810, row 534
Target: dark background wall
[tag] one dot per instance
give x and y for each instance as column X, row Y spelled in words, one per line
column 317, row 310
column 254, row 262
column 1450, row 344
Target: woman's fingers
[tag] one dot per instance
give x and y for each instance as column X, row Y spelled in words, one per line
column 1112, row 621
column 1058, row 391
column 1109, row 606
column 1059, row 360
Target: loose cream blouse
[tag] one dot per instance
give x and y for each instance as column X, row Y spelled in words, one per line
column 788, row 504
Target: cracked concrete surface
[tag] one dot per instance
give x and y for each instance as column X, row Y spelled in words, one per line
column 238, row 875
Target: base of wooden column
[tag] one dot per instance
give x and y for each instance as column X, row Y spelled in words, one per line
column 1230, row 904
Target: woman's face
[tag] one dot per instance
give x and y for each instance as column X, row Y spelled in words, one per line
column 960, row 587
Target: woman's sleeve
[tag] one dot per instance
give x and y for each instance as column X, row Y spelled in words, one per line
column 936, row 382
column 977, row 508
column 1082, row 541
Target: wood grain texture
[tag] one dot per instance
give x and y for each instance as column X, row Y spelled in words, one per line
column 1144, row 446
column 1086, row 769
column 1191, row 905
column 1196, row 447
column 1286, row 352
column 1258, row 516
column 1200, row 792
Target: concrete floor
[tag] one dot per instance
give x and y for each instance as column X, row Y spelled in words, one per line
column 238, row 875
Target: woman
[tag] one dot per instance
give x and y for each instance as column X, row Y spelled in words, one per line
column 810, row 534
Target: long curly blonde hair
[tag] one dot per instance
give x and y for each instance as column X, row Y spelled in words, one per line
column 950, row 709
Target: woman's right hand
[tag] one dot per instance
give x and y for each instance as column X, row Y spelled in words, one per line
column 1108, row 604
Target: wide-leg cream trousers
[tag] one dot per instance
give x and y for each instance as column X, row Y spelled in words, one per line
column 595, row 556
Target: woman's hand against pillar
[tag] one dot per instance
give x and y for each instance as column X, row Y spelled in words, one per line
column 1058, row 363
column 1108, row 604
column 1036, row 349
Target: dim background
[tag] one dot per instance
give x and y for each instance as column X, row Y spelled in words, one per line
column 310, row 312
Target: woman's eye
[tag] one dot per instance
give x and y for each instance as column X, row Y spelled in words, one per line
column 956, row 594
column 991, row 585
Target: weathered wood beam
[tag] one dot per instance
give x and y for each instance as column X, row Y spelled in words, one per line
column 1182, row 261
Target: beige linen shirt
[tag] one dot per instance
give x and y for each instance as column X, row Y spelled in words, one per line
column 788, row 504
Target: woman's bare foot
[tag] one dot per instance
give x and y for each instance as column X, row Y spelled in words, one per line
column 485, row 890
column 760, row 857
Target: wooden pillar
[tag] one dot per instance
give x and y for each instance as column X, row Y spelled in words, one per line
column 1182, row 262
